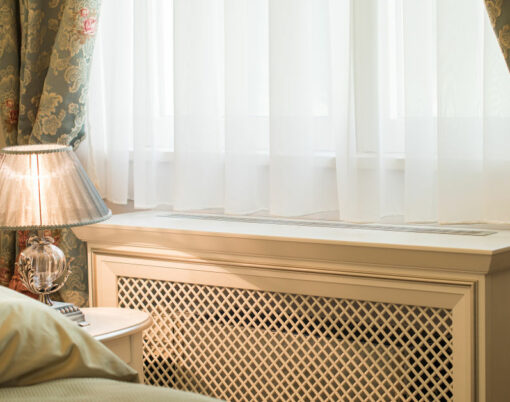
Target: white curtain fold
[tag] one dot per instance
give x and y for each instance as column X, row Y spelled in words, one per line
column 359, row 110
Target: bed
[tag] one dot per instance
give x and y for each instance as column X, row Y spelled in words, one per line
column 46, row 357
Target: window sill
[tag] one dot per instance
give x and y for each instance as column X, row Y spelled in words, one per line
column 210, row 239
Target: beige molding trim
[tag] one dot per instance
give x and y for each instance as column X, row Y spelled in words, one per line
column 290, row 252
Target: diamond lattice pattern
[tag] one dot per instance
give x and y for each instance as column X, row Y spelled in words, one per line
column 253, row 345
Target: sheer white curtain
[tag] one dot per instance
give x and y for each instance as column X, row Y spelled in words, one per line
column 368, row 110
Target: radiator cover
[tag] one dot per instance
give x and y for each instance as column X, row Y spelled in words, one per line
column 247, row 311
column 255, row 345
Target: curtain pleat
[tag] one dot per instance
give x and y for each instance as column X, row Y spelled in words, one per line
column 499, row 14
column 45, row 55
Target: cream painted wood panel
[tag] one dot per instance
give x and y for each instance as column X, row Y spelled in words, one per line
column 402, row 279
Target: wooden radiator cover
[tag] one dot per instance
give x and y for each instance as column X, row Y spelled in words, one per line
column 278, row 319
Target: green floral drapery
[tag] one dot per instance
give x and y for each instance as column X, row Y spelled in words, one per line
column 499, row 14
column 45, row 54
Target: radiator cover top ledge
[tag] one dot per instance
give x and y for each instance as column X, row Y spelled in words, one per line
column 150, row 229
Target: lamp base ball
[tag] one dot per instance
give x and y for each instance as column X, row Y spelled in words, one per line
column 43, row 270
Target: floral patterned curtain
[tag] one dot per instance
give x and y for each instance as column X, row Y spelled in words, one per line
column 499, row 14
column 45, row 54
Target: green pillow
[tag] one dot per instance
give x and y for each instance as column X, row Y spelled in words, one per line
column 37, row 344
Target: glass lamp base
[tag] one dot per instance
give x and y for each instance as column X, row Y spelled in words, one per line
column 43, row 270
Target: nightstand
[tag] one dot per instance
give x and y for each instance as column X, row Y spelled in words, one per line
column 120, row 330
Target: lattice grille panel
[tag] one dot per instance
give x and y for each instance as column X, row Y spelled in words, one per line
column 252, row 345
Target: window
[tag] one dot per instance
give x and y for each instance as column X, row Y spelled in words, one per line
column 362, row 110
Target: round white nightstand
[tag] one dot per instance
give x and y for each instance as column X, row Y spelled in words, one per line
column 119, row 329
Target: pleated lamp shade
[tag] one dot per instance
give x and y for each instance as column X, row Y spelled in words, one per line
column 45, row 187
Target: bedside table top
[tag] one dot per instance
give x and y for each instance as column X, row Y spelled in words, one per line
column 107, row 323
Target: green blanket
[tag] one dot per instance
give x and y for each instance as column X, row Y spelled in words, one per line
column 95, row 389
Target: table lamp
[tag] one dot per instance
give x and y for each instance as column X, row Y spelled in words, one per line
column 42, row 187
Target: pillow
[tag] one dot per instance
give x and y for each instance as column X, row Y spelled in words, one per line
column 38, row 344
